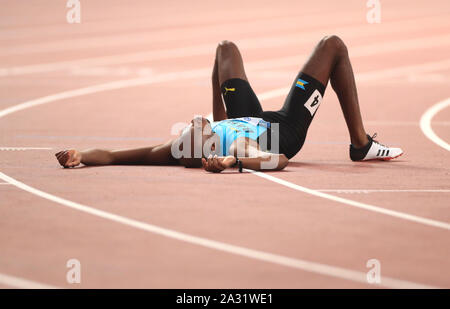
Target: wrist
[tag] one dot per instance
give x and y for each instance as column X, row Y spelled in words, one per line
column 80, row 155
column 238, row 164
column 229, row 161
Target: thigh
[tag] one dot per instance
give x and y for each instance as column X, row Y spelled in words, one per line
column 284, row 136
column 230, row 62
column 322, row 60
column 303, row 100
column 309, row 85
column 297, row 113
column 240, row 99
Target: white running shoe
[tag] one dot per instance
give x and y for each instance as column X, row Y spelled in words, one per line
column 374, row 151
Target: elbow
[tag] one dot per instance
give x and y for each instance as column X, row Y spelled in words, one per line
column 275, row 162
column 283, row 162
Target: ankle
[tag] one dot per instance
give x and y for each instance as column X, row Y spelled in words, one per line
column 360, row 141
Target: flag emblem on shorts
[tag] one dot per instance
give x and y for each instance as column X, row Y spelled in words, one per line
column 301, row 83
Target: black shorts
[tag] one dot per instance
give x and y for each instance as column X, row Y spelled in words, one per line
column 293, row 118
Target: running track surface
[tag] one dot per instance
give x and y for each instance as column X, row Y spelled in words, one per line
column 261, row 233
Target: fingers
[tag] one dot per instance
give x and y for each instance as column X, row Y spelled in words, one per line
column 218, row 163
column 67, row 158
column 75, row 160
column 72, row 161
column 60, row 154
column 62, row 157
column 207, row 164
column 213, row 164
column 228, row 161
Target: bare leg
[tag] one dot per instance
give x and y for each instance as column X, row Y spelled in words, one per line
column 229, row 73
column 330, row 61
column 229, row 61
column 228, row 64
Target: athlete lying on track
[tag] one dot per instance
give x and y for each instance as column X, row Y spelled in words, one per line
column 243, row 134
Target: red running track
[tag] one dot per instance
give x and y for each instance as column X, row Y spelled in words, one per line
column 171, row 227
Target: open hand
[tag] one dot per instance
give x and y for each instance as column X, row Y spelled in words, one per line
column 217, row 164
column 69, row 158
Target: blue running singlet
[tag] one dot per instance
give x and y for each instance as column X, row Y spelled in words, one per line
column 229, row 130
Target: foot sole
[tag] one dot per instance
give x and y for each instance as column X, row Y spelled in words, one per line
column 381, row 159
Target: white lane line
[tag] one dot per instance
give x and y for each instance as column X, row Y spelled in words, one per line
column 84, row 137
column 304, row 265
column 383, row 190
column 245, row 44
column 196, row 73
column 147, row 80
column 20, row 283
column 23, row 148
column 425, row 123
column 124, row 83
column 403, row 123
column 384, row 211
column 314, row 267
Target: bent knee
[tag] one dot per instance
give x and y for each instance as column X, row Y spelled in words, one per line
column 226, row 46
column 333, row 43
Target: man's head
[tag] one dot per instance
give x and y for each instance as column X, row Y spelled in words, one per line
column 196, row 141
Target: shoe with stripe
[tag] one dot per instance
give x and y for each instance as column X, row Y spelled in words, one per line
column 374, row 151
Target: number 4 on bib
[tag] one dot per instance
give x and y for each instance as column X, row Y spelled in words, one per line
column 313, row 102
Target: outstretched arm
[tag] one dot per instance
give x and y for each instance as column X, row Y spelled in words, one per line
column 153, row 155
column 253, row 159
column 273, row 162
